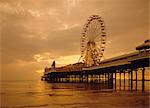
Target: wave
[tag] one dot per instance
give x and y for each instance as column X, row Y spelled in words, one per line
column 27, row 106
column 60, row 94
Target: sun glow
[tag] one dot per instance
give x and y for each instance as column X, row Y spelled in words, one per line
column 39, row 71
column 64, row 60
column 60, row 61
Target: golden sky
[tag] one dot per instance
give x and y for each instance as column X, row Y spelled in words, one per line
column 36, row 32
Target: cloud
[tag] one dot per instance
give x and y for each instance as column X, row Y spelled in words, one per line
column 51, row 29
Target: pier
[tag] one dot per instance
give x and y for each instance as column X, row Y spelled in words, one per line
column 106, row 73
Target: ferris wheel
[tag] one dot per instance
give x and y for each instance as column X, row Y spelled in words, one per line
column 93, row 41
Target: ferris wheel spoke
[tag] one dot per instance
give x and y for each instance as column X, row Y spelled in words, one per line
column 94, row 28
column 100, row 29
column 98, row 32
column 90, row 30
column 101, row 33
column 97, row 24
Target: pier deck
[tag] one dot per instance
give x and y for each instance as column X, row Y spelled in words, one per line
column 107, row 71
column 128, row 65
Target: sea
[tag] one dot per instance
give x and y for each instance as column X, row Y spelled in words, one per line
column 41, row 94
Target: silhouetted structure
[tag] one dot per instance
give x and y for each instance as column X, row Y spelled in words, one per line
column 145, row 46
column 107, row 70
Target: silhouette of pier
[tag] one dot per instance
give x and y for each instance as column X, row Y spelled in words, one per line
column 108, row 70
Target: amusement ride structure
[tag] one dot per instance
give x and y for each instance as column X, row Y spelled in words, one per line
column 93, row 41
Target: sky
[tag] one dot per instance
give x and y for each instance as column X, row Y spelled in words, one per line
column 33, row 33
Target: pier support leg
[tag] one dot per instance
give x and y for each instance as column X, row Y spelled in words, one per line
column 124, row 79
column 92, row 78
column 68, row 78
column 71, row 78
column 62, row 80
column 131, row 79
column 128, row 80
column 108, row 79
column 143, row 79
column 78, row 78
column 115, row 80
column 82, row 78
column 99, row 78
column 111, row 80
column 120, row 80
column 136, row 79
column 87, row 78
column 105, row 78
column 75, row 78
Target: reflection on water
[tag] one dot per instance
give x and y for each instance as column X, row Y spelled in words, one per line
column 22, row 94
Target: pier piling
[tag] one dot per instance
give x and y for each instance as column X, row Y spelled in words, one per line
column 143, row 79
